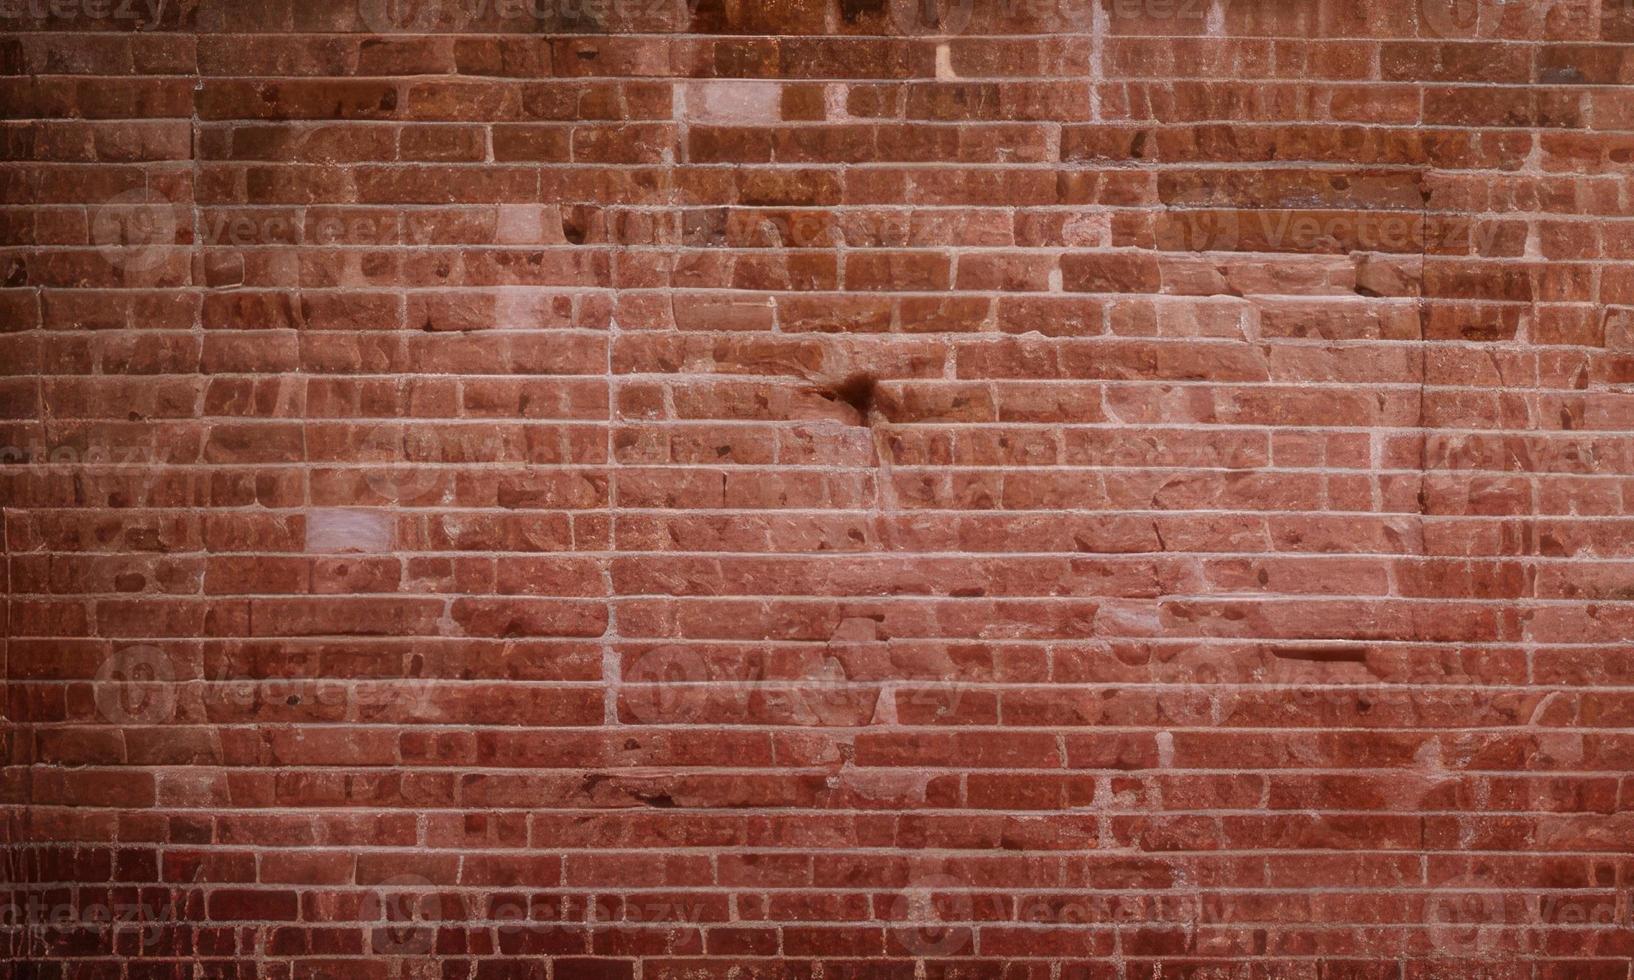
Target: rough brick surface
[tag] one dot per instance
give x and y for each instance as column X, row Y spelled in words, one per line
column 664, row 490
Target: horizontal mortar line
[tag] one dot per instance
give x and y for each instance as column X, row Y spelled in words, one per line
column 1018, row 470
column 840, row 594
column 808, row 811
column 1452, row 776
column 873, row 124
column 1265, row 598
column 1322, row 302
column 1293, row 688
column 703, row 381
column 485, row 921
column 701, row 425
column 876, row 160
column 1260, row 597
column 1302, row 384
column 1564, row 168
column 1335, row 299
column 837, row 512
column 1134, row 560
column 878, row 922
column 1043, row 77
column 904, row 513
column 871, row 556
column 749, row 888
column 1107, row 166
column 1123, row 851
column 1326, row 303
column 685, row 424
column 967, row 344
column 712, row 888
column 779, row 960
column 747, row 250
column 1428, row 685
column 1487, row 645
column 363, row 244
column 654, row 206
column 1127, row 121
column 863, row 511
column 1064, row 810
column 925, row 40
column 559, row 889
column 950, row 886
column 1069, row 643
column 629, row 728
column 817, row 851
column 595, row 384
column 216, row 215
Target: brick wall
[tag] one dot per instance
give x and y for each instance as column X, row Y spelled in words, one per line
column 614, row 489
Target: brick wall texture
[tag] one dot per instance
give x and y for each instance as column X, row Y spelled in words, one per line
column 820, row 489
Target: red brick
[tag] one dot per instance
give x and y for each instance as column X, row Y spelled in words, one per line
column 819, row 487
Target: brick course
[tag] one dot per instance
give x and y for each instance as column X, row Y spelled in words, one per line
column 685, row 489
